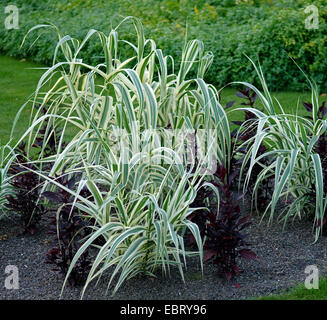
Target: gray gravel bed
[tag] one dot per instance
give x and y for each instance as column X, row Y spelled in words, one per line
column 284, row 255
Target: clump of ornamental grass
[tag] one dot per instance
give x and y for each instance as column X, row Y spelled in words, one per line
column 291, row 158
column 127, row 123
column 242, row 136
column 321, row 149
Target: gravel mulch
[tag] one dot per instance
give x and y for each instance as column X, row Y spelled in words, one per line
column 284, row 256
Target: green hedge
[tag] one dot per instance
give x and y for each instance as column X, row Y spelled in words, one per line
column 270, row 30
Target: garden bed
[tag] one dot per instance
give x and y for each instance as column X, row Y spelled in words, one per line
column 128, row 181
column 284, row 256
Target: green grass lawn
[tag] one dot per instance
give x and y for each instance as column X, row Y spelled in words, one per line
column 17, row 82
column 302, row 293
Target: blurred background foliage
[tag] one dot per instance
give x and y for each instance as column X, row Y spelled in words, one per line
column 269, row 31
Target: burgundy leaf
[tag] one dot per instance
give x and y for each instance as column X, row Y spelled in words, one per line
column 238, row 123
column 247, row 254
column 241, row 95
column 308, row 106
column 319, row 222
column 230, row 104
column 236, row 269
column 208, row 254
column 228, row 275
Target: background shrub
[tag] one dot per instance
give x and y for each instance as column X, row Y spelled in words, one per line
column 269, row 30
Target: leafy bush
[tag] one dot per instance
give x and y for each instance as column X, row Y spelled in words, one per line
column 222, row 224
column 23, row 196
column 70, row 230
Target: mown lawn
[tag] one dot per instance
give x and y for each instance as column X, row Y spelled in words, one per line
column 302, row 293
column 17, row 82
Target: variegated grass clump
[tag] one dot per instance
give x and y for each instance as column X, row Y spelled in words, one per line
column 6, row 158
column 141, row 192
column 295, row 166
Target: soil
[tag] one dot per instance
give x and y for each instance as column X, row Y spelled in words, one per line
column 283, row 256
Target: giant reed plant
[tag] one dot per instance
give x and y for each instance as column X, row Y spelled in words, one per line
column 125, row 129
column 294, row 165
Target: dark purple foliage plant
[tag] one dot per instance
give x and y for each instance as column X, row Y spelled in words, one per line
column 223, row 227
column 69, row 229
